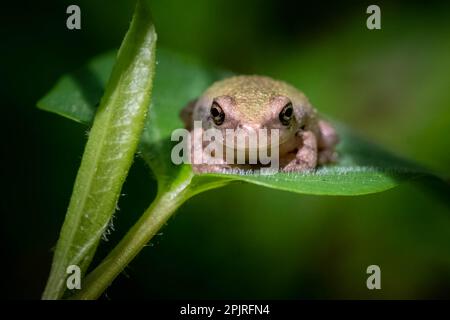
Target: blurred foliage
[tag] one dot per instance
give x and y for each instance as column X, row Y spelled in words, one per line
column 391, row 85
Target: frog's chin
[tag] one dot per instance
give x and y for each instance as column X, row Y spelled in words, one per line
column 252, row 148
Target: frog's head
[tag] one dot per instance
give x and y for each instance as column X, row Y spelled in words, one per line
column 251, row 103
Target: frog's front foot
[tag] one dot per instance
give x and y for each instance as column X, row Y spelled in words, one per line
column 306, row 157
column 211, row 168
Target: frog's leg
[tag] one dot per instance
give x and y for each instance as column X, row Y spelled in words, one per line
column 306, row 156
column 202, row 162
column 210, row 164
column 327, row 141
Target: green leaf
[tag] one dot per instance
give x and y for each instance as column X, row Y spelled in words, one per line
column 362, row 168
column 112, row 143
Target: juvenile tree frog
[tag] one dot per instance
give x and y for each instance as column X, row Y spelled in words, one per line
column 259, row 102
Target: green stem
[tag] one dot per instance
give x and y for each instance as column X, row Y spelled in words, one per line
column 137, row 237
column 109, row 152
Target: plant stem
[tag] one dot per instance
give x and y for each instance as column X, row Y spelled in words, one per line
column 137, row 237
column 109, row 151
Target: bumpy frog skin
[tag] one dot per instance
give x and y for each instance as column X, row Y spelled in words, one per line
column 258, row 102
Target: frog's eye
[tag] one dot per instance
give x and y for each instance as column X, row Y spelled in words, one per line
column 217, row 114
column 286, row 114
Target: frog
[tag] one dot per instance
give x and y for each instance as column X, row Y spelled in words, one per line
column 255, row 102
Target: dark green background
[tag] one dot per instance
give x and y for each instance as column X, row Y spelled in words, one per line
column 243, row 241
